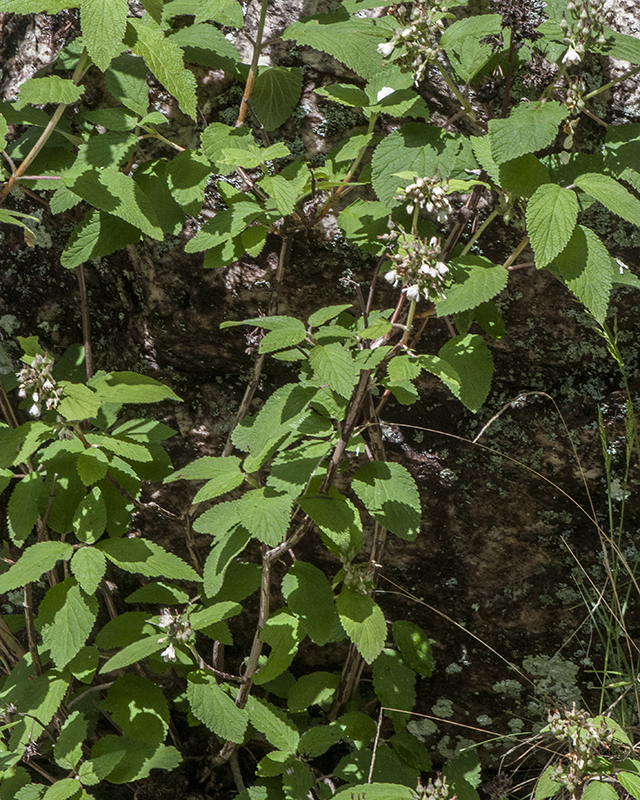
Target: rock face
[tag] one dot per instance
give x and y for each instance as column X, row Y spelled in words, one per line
column 508, row 541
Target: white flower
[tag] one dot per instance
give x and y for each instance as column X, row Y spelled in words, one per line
column 413, row 292
column 165, row 618
column 385, row 49
column 571, row 56
column 442, row 268
column 169, row 654
column 392, row 277
column 34, row 410
column 386, row 90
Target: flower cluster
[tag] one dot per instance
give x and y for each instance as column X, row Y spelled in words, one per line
column 417, row 265
column 427, row 193
column 584, row 736
column 586, row 22
column 36, row 380
column 415, row 40
column 178, row 630
column 434, row 790
column 574, row 99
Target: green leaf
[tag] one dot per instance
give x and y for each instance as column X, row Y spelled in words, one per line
column 376, row 791
column 67, row 750
column 4, row 130
column 345, row 93
column 79, row 402
column 90, row 518
column 139, row 707
column 419, row 149
column 414, row 646
column 622, row 152
column 275, row 94
column 283, row 193
column 265, row 514
column 135, row 652
column 212, row 614
column 292, row 469
column 164, row 59
column 227, row 12
column 281, row 634
column 212, row 706
column 130, row 387
column 599, row 790
column 310, row 690
column 309, row 595
column 390, row 495
column 332, row 364
column 351, row 40
column 103, row 25
column 216, row 137
column 188, row 174
column 229, row 546
column 136, row 758
column 551, row 218
column 35, row 560
column 225, row 225
column 363, row 622
column 126, row 79
column 463, row 775
column 471, row 359
column 23, row 511
column 631, row 782
column 411, row 750
column 323, row 315
column 64, row 789
column 205, row 44
column 476, row 281
column 316, row 741
column 546, row 787
column 67, row 618
column 585, row 266
column 84, row 664
column 223, row 474
column 99, row 234
column 274, row 724
column 338, row 520
column 394, row 684
column 621, row 45
column 611, row 194
column 92, row 465
column 522, row 176
column 54, row 89
column 146, row 558
column 118, row 194
column 285, row 334
column 530, row 127
column 463, row 42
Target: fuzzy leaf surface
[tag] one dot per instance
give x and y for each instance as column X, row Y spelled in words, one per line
column 476, row 281
column 23, row 510
column 212, row 706
column 274, row 724
column 275, row 94
column 135, row 652
column 332, row 364
column 222, row 475
column 88, row 565
column 363, row 622
column 551, row 218
column 130, row 387
column 67, row 618
column 99, row 234
column 309, row 595
column 126, row 79
column 265, row 514
column 35, row 560
column 390, row 495
column 54, row 89
column 611, row 194
column 147, row 558
column 394, row 684
column 103, row 25
column 281, row 632
column 529, row 127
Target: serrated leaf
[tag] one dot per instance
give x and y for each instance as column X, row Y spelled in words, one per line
column 622, row 152
column 317, row 688
column 337, row 518
column 130, row 387
column 463, row 775
column 188, row 174
column 283, row 193
column 471, row 359
column 78, row 402
column 363, row 622
column 376, row 791
column 219, row 520
column 115, row 193
column 215, row 613
column 351, row 40
column 207, row 45
column 476, row 281
column 126, row 79
column 265, row 514
column 54, row 89
column 287, row 335
column 316, row 741
column 585, row 267
column 214, row 708
column 281, row 633
column 621, row 45
column 417, row 148
column 99, row 234
column 463, row 42
column 223, row 474
column 529, row 128
column 67, row 618
column 67, row 750
column 121, row 447
column 114, row 119
column 394, row 684
column 599, row 790
column 136, row 758
column 292, row 469
column 414, row 646
column 92, row 465
column 139, row 707
column 309, row 595
column 63, row 789
column 90, row 518
column 164, row 59
column 103, row 25
column 345, row 93
column 611, row 194
column 84, row 664
column 275, row 94
column 274, row 724
column 225, row 225
column 402, row 368
column 631, row 782
column 227, row 12
column 230, row 545
column 23, row 511
column 143, row 557
column 390, row 495
column 332, row 364
column 135, row 652
column 546, row 787
column 551, row 218
column 4, row 130
column 35, row 560
column 216, row 137
column 411, row 750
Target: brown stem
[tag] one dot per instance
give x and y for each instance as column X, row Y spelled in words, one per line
column 253, row 69
column 507, row 83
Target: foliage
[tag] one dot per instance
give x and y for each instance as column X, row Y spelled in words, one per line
column 74, row 472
